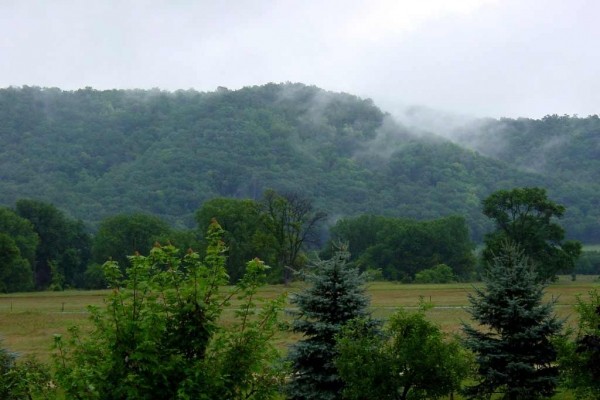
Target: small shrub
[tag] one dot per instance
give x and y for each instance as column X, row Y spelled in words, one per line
column 23, row 379
column 441, row 273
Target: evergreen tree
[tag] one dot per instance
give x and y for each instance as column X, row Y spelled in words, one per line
column 514, row 352
column 334, row 297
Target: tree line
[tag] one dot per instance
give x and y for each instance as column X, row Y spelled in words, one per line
column 162, row 334
column 44, row 249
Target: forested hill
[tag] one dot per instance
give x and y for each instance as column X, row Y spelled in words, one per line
column 99, row 153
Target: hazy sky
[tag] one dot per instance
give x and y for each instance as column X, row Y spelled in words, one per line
column 472, row 57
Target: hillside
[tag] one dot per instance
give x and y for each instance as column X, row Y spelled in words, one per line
column 562, row 146
column 98, row 153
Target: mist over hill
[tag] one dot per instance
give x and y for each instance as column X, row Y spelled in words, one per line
column 98, row 153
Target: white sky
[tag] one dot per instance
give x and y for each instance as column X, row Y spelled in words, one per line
column 472, row 57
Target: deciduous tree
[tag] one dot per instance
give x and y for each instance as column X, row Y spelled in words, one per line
column 244, row 232
column 161, row 337
column 410, row 359
column 122, row 235
column 526, row 217
column 15, row 271
column 18, row 243
column 64, row 246
column 294, row 224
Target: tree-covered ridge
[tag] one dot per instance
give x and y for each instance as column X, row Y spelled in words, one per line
column 165, row 153
column 562, row 146
column 102, row 153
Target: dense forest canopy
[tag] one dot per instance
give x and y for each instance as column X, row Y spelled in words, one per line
column 97, row 153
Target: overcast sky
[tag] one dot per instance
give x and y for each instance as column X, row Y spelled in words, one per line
column 472, row 57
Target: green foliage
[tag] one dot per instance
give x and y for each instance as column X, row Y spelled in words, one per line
column 402, row 248
column 24, row 379
column 94, row 277
column 561, row 147
column 410, row 359
column 588, row 263
column 526, row 217
column 335, row 295
column 244, row 232
column 558, row 145
column 514, row 349
column 161, row 336
column 21, row 231
column 293, row 223
column 579, row 358
column 101, row 153
column 441, row 273
column 18, row 243
column 278, row 229
column 64, row 246
column 15, row 271
column 122, row 235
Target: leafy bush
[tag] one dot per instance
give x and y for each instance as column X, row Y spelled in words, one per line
column 580, row 358
column 441, row 273
column 23, row 379
column 410, row 359
column 161, row 334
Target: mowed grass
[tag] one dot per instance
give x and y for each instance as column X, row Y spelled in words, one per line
column 28, row 321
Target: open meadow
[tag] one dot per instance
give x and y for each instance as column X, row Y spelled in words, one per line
column 28, row 321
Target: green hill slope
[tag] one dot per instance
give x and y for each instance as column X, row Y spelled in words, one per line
column 98, row 153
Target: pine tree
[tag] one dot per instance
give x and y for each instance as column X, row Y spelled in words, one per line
column 514, row 352
column 335, row 296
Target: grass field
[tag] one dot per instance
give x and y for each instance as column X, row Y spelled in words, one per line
column 28, row 321
column 591, row 247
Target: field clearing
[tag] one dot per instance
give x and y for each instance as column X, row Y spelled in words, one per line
column 28, row 321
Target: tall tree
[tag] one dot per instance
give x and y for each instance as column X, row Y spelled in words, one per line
column 21, row 231
column 244, row 232
column 514, row 350
column 64, row 247
column 15, row 272
column 334, row 297
column 526, row 217
column 18, row 243
column 122, row 235
column 294, row 224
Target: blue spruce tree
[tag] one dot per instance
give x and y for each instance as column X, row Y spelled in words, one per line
column 515, row 355
column 334, row 296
